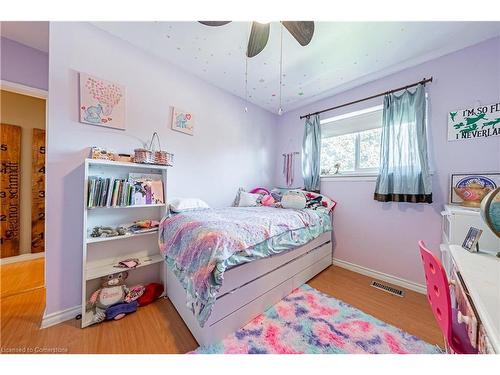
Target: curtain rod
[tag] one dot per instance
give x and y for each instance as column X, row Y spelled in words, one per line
column 423, row 82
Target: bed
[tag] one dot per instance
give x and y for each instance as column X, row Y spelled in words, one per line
column 226, row 266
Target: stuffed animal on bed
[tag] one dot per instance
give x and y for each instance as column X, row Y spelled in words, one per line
column 112, row 292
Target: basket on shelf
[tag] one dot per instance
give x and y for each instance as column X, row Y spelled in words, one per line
column 153, row 156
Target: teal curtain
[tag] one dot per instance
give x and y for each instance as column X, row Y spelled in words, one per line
column 311, row 153
column 404, row 168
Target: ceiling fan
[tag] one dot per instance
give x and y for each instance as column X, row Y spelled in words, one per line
column 302, row 31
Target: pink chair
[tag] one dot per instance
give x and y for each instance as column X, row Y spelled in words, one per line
column 438, row 295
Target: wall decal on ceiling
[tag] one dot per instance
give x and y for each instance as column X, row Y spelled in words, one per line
column 101, row 102
column 477, row 122
column 182, row 121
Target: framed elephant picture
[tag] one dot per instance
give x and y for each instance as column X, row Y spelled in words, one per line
column 102, row 102
column 182, row 121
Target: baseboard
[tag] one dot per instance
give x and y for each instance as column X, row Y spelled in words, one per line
column 71, row 313
column 60, row 316
column 21, row 258
column 419, row 288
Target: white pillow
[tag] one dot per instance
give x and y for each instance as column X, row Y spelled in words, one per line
column 187, row 204
column 248, row 199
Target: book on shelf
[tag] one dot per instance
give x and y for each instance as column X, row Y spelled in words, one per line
column 138, row 189
column 147, row 188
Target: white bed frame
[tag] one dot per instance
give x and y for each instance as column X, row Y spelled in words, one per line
column 249, row 289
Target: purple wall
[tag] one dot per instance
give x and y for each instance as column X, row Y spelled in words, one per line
column 24, row 65
column 230, row 148
column 384, row 237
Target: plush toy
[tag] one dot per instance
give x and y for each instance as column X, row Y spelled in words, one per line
column 112, row 292
column 267, row 200
column 151, row 293
column 108, row 232
column 294, row 199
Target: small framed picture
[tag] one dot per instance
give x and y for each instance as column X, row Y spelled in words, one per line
column 469, row 185
column 182, row 121
column 471, row 240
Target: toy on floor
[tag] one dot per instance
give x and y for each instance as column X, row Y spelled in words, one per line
column 112, row 292
column 152, row 292
column 119, row 310
column 134, row 293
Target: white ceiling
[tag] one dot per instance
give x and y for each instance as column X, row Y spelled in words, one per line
column 339, row 54
column 32, row 34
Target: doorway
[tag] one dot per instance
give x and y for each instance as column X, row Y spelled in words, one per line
column 22, row 190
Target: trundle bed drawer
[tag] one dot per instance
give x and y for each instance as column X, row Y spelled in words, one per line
column 230, row 301
column 244, row 273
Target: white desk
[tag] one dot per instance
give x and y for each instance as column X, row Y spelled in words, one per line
column 481, row 275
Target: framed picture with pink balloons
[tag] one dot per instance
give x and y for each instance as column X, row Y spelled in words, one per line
column 102, row 102
column 182, row 121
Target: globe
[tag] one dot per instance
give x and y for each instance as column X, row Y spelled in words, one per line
column 490, row 210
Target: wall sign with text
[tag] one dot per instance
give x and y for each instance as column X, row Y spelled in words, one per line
column 38, row 192
column 477, row 122
column 10, row 185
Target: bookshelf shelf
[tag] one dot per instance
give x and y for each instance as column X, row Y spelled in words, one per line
column 99, row 269
column 129, row 206
column 102, row 254
column 111, row 163
column 124, row 237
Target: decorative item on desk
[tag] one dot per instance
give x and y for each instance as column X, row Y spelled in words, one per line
column 469, row 189
column 101, row 102
column 153, row 156
column 182, row 121
column 490, row 210
column 471, row 240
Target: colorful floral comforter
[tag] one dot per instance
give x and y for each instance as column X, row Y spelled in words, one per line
column 200, row 245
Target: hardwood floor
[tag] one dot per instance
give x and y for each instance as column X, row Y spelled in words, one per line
column 157, row 328
column 21, row 277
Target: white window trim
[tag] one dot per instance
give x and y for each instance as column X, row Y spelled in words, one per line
column 359, row 174
column 372, row 176
column 358, row 177
column 352, row 114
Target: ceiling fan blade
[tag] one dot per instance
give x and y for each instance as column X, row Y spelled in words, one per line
column 302, row 31
column 259, row 36
column 214, row 23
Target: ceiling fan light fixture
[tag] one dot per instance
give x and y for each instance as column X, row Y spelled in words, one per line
column 263, row 22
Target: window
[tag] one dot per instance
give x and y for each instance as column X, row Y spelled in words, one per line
column 351, row 142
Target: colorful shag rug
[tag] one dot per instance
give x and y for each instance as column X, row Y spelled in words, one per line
column 308, row 321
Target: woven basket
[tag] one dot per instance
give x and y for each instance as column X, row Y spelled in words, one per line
column 153, row 156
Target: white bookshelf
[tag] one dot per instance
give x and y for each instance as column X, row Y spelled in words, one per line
column 102, row 254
